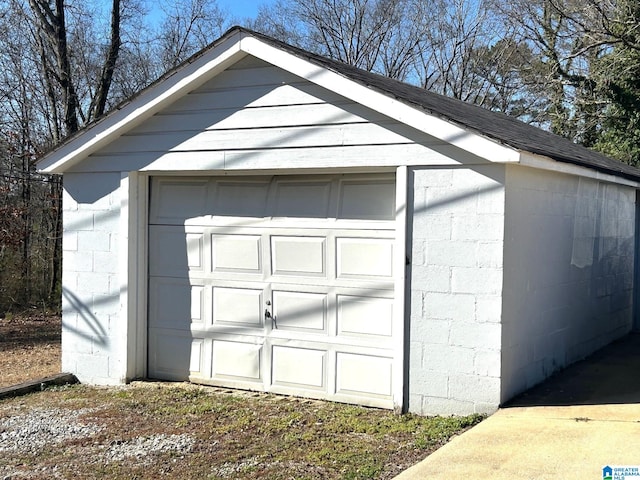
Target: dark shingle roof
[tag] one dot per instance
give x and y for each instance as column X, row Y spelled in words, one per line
column 497, row 126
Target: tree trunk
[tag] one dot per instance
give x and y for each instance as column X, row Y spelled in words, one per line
column 56, row 261
column 100, row 100
column 52, row 24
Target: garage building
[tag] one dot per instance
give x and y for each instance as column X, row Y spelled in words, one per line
column 269, row 219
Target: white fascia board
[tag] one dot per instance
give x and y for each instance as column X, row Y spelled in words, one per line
column 430, row 124
column 545, row 163
column 143, row 106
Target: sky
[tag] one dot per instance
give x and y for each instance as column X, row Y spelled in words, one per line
column 241, row 9
column 237, row 10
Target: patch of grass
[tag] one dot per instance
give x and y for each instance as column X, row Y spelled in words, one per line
column 440, row 429
column 236, row 435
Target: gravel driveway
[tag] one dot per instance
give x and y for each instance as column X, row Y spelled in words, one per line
column 41, row 428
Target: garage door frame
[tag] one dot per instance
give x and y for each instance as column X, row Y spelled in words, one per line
column 134, row 253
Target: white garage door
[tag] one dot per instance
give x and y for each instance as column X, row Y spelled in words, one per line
column 278, row 284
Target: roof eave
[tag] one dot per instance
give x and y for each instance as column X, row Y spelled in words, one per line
column 529, row 159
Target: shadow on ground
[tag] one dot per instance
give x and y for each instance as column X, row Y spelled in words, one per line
column 25, row 331
column 609, row 376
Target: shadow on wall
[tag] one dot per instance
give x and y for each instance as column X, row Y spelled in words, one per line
column 90, row 188
column 88, row 326
column 609, row 376
column 90, row 228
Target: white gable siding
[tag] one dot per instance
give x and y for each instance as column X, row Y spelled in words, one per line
column 569, row 254
column 255, row 116
column 456, row 286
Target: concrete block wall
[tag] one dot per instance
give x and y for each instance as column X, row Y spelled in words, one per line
column 456, row 286
column 568, row 275
column 91, row 283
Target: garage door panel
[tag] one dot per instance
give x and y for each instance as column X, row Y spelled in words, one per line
column 240, row 199
column 360, row 315
column 299, row 367
column 367, row 200
column 358, row 374
column 298, row 255
column 174, row 200
column 364, row 257
column 303, row 199
column 236, row 253
column 174, row 251
column 177, row 355
column 196, row 358
column 303, row 311
column 175, row 303
column 238, row 307
column 195, row 251
column 198, row 304
column 237, row 360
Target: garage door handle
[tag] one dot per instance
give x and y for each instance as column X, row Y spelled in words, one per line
column 267, row 316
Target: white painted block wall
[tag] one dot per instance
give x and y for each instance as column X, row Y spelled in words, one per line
column 456, row 287
column 91, row 283
column 568, row 275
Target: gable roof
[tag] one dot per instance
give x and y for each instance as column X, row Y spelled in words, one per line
column 491, row 129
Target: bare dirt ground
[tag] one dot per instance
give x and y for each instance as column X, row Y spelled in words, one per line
column 151, row 430
column 29, row 347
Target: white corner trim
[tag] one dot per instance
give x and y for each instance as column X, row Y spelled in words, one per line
column 439, row 128
column 132, row 268
column 545, row 163
column 143, row 106
column 399, row 262
column 124, row 253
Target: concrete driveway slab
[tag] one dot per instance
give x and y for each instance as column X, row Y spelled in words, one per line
column 570, row 427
